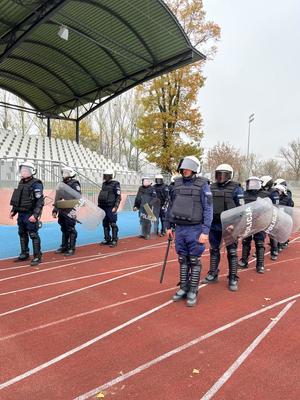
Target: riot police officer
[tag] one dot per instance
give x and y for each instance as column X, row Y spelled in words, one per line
column 27, row 201
column 266, row 183
column 289, row 195
column 226, row 194
column 109, row 200
column 67, row 223
column 190, row 213
column 162, row 191
column 145, row 195
column 285, row 199
column 253, row 191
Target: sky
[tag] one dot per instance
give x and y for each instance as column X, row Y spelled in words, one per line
column 256, row 70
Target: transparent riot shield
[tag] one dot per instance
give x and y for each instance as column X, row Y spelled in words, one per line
column 246, row 220
column 281, row 225
column 294, row 213
column 73, row 205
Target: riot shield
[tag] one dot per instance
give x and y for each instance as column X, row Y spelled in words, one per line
column 294, row 213
column 73, row 205
column 246, row 220
column 281, row 225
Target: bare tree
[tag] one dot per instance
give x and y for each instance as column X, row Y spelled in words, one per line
column 225, row 153
column 268, row 167
column 291, row 154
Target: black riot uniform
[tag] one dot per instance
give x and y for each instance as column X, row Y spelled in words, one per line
column 67, row 222
column 226, row 194
column 27, row 201
column 251, row 195
column 109, row 200
column 162, row 191
column 145, row 195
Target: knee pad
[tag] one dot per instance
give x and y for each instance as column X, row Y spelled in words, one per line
column 214, row 252
column 259, row 243
column 33, row 235
column 232, row 252
column 195, row 262
column 182, row 259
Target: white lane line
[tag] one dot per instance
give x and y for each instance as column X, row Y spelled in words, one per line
column 177, row 350
column 76, row 291
column 144, row 366
column 116, row 305
column 92, row 258
column 81, row 347
column 66, row 259
column 79, row 278
column 237, row 363
column 84, row 314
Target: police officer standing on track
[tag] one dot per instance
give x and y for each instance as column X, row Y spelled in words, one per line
column 145, row 195
column 162, row 191
column 67, row 223
column 27, row 201
column 285, row 199
column 227, row 194
column 109, row 200
column 267, row 185
column 288, row 199
column 253, row 191
column 190, row 213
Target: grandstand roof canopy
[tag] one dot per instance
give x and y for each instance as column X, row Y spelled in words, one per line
column 112, row 46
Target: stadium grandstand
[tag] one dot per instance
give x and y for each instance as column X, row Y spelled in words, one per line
column 51, row 152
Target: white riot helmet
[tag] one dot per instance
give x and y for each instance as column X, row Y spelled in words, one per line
column 223, row 173
column 190, row 162
column 27, row 169
column 68, row 172
column 253, row 183
column 266, row 181
column 159, row 179
column 280, row 181
column 281, row 189
column 146, row 181
column 108, row 174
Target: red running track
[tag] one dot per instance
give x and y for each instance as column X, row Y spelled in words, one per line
column 100, row 323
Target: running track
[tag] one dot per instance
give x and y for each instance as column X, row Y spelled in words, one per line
column 99, row 325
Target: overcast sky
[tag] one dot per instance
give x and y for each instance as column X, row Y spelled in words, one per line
column 256, row 70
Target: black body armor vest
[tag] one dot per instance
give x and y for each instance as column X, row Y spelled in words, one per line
column 187, row 206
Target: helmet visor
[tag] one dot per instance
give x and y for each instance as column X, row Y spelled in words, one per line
column 25, row 172
column 253, row 184
column 107, row 177
column 223, row 176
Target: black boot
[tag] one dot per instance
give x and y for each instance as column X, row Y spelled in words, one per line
column 64, row 244
column 184, row 278
column 72, row 243
column 260, row 252
column 233, row 266
column 107, row 238
column 212, row 276
column 147, row 230
column 24, row 240
column 36, row 245
column 274, row 249
column 280, row 247
column 243, row 262
column 115, row 230
column 195, row 264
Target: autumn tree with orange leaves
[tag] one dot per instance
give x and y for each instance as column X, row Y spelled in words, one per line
column 171, row 125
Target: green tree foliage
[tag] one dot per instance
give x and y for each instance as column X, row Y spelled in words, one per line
column 171, row 125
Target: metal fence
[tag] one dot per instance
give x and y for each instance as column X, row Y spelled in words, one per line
column 49, row 172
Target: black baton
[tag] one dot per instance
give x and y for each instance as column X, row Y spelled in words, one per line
column 165, row 260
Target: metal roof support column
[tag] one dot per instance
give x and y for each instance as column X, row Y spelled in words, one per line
column 49, row 128
column 77, row 122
